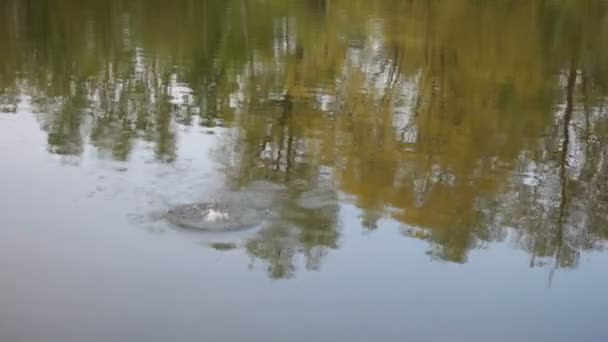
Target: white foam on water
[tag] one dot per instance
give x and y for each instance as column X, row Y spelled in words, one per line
column 216, row 215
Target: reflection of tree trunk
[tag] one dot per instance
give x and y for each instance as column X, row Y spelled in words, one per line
column 286, row 37
column 248, row 49
column 563, row 162
column 586, row 110
column 277, row 162
column 289, row 154
column 566, row 137
column 284, row 122
column 442, row 80
column 393, row 74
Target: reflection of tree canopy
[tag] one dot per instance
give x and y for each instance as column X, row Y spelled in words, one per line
column 475, row 121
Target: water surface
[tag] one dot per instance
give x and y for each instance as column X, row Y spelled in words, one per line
column 431, row 170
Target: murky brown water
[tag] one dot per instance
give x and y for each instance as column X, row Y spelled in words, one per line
column 426, row 170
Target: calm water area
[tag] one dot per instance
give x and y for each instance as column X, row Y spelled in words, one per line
column 398, row 170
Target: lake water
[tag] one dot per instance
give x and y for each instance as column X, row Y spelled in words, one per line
column 422, row 170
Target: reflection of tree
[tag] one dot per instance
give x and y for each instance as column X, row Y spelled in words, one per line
column 564, row 213
column 296, row 231
column 304, row 219
column 474, row 121
column 555, row 208
column 476, row 111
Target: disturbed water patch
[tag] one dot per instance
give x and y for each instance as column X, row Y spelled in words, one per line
column 214, row 216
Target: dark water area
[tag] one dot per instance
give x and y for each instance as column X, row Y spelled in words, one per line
column 405, row 170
